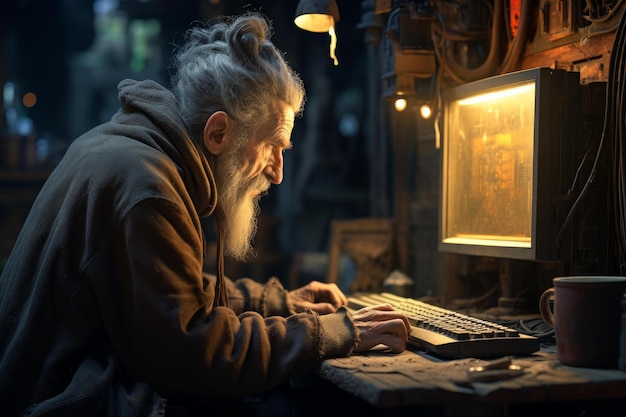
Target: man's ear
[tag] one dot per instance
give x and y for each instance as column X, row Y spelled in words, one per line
column 216, row 132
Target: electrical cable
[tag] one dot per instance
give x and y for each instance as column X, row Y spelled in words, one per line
column 615, row 107
column 516, row 50
column 439, row 49
column 530, row 326
column 490, row 64
column 615, row 76
column 611, row 11
column 580, row 166
column 436, row 88
column 618, row 142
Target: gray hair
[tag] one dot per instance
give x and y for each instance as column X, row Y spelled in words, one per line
column 231, row 65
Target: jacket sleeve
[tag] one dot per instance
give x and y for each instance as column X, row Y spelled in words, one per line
column 246, row 294
column 156, row 305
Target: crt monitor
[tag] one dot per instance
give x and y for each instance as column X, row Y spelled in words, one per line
column 507, row 149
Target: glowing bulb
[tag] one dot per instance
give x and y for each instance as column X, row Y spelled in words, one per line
column 400, row 104
column 425, row 111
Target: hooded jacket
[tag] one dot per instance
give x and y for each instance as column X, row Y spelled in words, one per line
column 104, row 305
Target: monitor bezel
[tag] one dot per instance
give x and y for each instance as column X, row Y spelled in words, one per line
column 556, row 92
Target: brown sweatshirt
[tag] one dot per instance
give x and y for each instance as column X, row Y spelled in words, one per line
column 104, row 300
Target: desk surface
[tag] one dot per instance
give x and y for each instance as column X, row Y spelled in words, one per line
column 414, row 378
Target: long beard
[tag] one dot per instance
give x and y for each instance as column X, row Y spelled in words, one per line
column 240, row 208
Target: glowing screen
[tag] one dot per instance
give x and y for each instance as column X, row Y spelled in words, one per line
column 489, row 168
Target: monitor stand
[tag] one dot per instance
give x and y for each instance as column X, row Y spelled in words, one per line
column 516, row 279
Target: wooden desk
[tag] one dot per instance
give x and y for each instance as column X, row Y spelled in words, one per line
column 403, row 383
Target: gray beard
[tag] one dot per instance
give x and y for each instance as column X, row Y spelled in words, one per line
column 239, row 208
column 240, row 227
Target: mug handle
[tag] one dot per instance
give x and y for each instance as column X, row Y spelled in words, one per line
column 544, row 307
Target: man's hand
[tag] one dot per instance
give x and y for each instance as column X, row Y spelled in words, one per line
column 377, row 325
column 320, row 297
column 381, row 325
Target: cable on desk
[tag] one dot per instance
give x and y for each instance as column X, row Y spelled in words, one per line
column 538, row 328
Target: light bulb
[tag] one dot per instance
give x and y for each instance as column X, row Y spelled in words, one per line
column 400, row 104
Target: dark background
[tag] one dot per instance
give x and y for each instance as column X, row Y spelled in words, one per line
column 72, row 53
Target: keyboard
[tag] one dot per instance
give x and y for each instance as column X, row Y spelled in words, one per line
column 451, row 334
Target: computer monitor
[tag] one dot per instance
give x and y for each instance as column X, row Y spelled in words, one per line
column 508, row 149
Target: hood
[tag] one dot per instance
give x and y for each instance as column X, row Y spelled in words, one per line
column 159, row 105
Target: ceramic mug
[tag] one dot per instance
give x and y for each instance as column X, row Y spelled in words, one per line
column 585, row 312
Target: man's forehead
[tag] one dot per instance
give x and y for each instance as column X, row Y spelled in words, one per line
column 282, row 120
column 285, row 113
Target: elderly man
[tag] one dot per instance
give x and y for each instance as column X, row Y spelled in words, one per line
column 104, row 305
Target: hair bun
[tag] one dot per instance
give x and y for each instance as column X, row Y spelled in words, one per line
column 246, row 36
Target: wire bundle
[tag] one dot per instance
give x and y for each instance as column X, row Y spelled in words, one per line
column 614, row 126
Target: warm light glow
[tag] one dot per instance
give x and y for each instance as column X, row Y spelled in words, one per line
column 400, row 104
column 495, row 95
column 333, row 44
column 319, row 16
column 489, row 168
column 320, row 23
column 425, row 111
column 501, row 241
column 29, row 99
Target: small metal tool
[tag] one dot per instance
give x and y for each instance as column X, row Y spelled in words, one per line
column 495, row 370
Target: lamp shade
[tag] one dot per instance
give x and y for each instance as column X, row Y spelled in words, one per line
column 316, row 15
